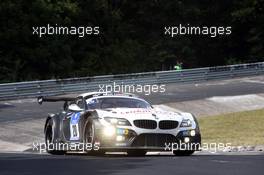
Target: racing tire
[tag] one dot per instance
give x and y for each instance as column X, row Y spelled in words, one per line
column 89, row 135
column 136, row 153
column 183, row 153
column 49, row 139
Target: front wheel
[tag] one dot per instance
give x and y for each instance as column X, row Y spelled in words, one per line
column 89, row 138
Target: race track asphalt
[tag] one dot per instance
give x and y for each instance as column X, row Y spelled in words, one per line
column 27, row 164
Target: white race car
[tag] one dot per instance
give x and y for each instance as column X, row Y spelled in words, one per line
column 118, row 122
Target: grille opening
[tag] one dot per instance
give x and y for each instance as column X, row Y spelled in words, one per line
column 146, row 124
column 153, row 140
column 168, row 124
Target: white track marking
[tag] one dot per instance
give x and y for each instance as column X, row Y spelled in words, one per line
column 254, row 81
column 241, row 102
column 9, row 146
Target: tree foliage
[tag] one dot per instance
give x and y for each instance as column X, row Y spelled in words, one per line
column 131, row 36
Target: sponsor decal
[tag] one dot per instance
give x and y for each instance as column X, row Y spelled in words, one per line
column 155, row 116
column 74, row 127
column 121, row 131
column 136, row 111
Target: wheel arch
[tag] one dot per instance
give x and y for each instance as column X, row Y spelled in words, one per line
column 50, row 116
column 87, row 117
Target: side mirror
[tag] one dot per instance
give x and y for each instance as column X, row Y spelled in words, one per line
column 74, row 107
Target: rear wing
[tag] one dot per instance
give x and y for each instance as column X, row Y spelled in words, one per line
column 42, row 99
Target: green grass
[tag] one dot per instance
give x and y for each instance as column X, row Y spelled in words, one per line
column 240, row 128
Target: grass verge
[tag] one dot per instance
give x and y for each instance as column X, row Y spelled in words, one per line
column 239, row 129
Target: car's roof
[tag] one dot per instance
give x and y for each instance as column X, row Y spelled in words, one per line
column 90, row 94
column 94, row 94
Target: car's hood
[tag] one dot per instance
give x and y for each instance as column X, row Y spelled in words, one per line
column 140, row 113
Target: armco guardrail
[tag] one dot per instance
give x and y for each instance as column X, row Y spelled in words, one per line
column 63, row 86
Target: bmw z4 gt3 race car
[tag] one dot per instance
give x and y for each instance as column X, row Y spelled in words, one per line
column 98, row 122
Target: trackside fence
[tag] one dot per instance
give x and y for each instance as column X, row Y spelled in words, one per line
column 53, row 87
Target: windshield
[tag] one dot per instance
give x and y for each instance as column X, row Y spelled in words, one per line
column 116, row 102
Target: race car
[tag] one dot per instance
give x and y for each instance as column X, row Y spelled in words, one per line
column 99, row 122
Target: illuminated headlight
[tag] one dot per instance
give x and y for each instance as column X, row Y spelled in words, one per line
column 109, row 131
column 186, row 123
column 192, row 133
column 186, row 139
column 117, row 121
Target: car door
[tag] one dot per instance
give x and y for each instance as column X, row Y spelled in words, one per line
column 71, row 124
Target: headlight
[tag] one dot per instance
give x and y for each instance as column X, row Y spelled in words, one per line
column 117, row 121
column 192, row 133
column 109, row 131
column 186, row 123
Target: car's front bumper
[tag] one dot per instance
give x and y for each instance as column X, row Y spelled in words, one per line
column 129, row 139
